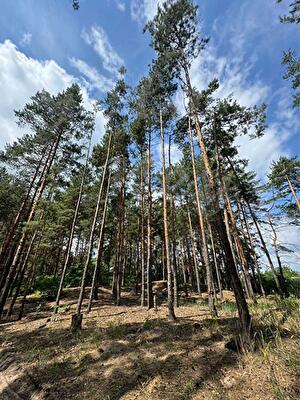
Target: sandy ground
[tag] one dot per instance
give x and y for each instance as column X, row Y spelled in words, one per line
column 126, row 352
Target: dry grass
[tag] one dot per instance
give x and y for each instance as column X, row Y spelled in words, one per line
column 127, row 352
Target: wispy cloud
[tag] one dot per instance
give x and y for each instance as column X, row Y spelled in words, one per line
column 95, row 79
column 97, row 38
column 143, row 10
column 121, row 5
column 26, row 39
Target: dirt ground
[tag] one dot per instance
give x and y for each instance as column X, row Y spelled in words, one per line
column 126, row 352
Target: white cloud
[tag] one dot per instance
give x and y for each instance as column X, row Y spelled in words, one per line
column 175, row 153
column 97, row 38
column 26, row 39
column 21, row 77
column 121, row 5
column 96, row 80
column 234, row 74
column 287, row 236
column 261, row 152
column 143, row 10
column 238, row 75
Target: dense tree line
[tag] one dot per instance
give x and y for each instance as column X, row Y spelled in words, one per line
column 119, row 213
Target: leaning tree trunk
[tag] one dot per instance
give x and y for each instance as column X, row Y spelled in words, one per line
column 39, row 193
column 172, row 316
column 77, row 317
column 7, row 242
column 293, row 191
column 239, row 248
column 71, row 235
column 253, row 252
column 243, row 310
column 99, row 250
column 275, row 242
column 21, row 278
column 211, row 300
column 237, row 240
column 266, row 251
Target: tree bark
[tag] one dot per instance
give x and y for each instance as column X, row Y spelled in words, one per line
column 71, row 235
column 39, row 193
column 74, row 323
column 150, row 303
column 211, row 300
column 24, row 266
column 275, row 242
column 142, row 188
column 293, row 191
column 244, row 315
column 172, row 316
column 99, row 249
column 215, row 261
column 173, row 222
column 263, row 243
column 194, row 252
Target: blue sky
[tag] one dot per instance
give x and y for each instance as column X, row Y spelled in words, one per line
column 46, row 44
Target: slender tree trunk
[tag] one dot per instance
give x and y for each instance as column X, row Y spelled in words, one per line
column 24, row 266
column 172, row 316
column 240, row 250
column 244, row 315
column 99, row 249
column 275, row 243
column 264, row 246
column 173, row 222
column 181, row 261
column 7, row 243
column 265, row 249
column 253, row 252
column 215, row 261
column 211, row 300
column 77, row 317
column 194, row 252
column 20, row 246
column 142, row 233
column 293, row 191
column 121, row 238
column 150, row 303
column 71, row 235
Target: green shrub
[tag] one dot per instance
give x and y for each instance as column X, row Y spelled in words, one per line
column 73, row 276
column 46, row 286
column 292, row 280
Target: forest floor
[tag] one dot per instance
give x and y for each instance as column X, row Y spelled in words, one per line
column 126, row 352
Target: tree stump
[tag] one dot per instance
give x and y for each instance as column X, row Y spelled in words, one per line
column 76, row 322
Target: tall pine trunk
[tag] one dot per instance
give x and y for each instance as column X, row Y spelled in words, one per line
column 243, row 310
column 77, row 317
column 71, row 235
column 293, row 191
column 172, row 316
column 100, row 246
column 192, row 237
column 39, row 193
column 173, row 222
column 150, row 303
column 211, row 300
column 142, row 232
